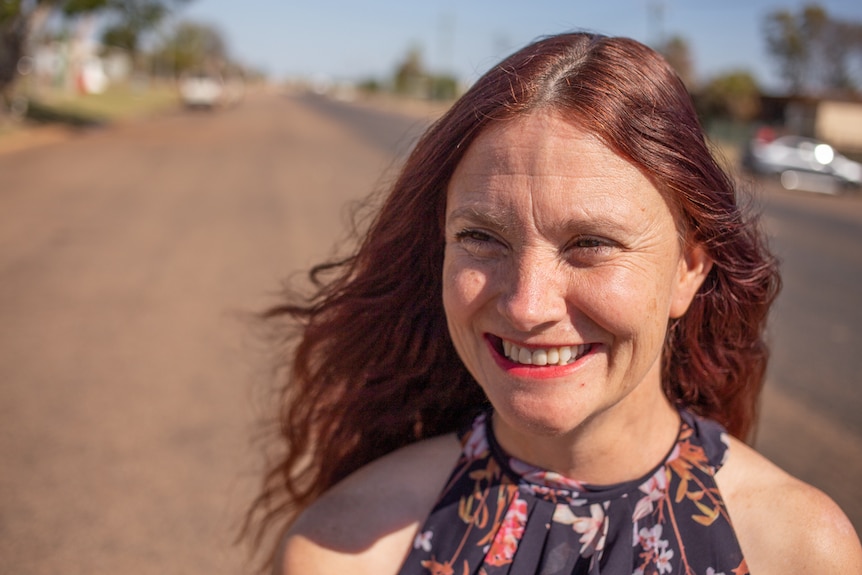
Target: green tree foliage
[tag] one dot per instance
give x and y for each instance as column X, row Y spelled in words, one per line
column 76, row 7
column 17, row 19
column 678, row 54
column 734, row 96
column 130, row 20
column 410, row 76
column 813, row 51
column 444, row 87
column 370, row 86
column 843, row 48
column 412, row 79
column 191, row 47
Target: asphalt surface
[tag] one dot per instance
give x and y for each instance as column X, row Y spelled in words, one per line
column 130, row 372
column 816, row 325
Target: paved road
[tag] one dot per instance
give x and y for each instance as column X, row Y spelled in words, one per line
column 128, row 259
column 812, row 424
column 817, row 328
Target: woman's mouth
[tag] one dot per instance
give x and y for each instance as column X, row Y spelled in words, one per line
column 541, row 356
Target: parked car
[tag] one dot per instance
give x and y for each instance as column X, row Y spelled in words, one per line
column 801, row 163
column 201, row 90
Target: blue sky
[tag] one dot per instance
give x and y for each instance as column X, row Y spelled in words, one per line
column 349, row 40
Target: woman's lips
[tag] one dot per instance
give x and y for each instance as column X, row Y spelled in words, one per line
column 539, row 362
column 561, row 355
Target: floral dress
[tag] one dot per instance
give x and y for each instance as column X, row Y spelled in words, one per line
column 498, row 515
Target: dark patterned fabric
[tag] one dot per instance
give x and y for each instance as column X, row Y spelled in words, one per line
column 498, row 515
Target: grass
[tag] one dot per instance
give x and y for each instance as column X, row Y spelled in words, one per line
column 55, row 112
column 118, row 102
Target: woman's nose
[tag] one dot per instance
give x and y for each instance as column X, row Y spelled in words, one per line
column 534, row 295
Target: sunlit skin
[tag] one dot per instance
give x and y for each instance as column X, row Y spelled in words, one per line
column 552, row 240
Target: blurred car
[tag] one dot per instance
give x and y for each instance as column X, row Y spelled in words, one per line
column 801, row 163
column 201, row 90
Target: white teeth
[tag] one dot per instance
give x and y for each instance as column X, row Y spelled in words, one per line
column 548, row 356
column 540, row 357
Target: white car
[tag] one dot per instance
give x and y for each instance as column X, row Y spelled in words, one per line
column 802, row 163
column 201, row 91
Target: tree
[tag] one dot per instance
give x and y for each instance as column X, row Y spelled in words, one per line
column 20, row 18
column 813, row 51
column 786, row 44
column 676, row 51
column 412, row 79
column 192, row 46
column 17, row 19
column 734, row 95
column 844, row 46
column 132, row 19
column 410, row 76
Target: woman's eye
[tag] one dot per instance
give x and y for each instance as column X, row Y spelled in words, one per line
column 479, row 243
column 592, row 245
column 473, row 236
column 589, row 243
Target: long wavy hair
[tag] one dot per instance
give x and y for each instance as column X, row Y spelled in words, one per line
column 368, row 365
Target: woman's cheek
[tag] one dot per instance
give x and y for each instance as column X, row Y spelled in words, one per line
column 471, row 285
column 613, row 295
column 465, row 284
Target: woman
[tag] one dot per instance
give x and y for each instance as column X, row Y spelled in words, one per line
column 529, row 363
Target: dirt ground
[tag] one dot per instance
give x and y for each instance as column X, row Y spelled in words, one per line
column 129, row 260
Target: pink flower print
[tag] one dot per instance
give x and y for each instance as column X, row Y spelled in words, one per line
column 549, row 479
column 674, row 454
column 423, row 541
column 664, row 557
column 476, row 444
column 650, row 538
column 502, row 550
column 656, row 548
column 654, row 488
column 437, row 568
column 593, row 530
column 563, row 514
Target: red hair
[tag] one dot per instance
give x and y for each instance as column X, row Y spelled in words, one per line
column 369, row 365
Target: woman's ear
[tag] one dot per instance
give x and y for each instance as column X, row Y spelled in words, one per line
column 694, row 266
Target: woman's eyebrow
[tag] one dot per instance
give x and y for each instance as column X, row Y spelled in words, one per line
column 479, row 216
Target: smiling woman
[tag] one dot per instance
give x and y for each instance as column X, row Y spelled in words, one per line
column 546, row 353
column 577, row 276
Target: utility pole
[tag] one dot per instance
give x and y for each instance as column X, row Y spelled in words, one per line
column 446, row 42
column 655, row 22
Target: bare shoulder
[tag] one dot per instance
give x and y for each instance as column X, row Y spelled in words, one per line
column 784, row 525
column 367, row 522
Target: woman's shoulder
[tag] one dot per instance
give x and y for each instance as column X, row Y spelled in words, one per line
column 783, row 524
column 368, row 521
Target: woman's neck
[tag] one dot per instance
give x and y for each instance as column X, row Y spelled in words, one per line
column 622, row 443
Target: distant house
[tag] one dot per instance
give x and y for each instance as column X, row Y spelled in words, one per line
column 837, row 121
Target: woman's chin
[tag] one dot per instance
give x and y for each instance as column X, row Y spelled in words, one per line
column 540, row 418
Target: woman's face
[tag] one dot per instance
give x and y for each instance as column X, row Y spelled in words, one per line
column 563, row 264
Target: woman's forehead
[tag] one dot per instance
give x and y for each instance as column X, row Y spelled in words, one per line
column 547, row 156
column 543, row 149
